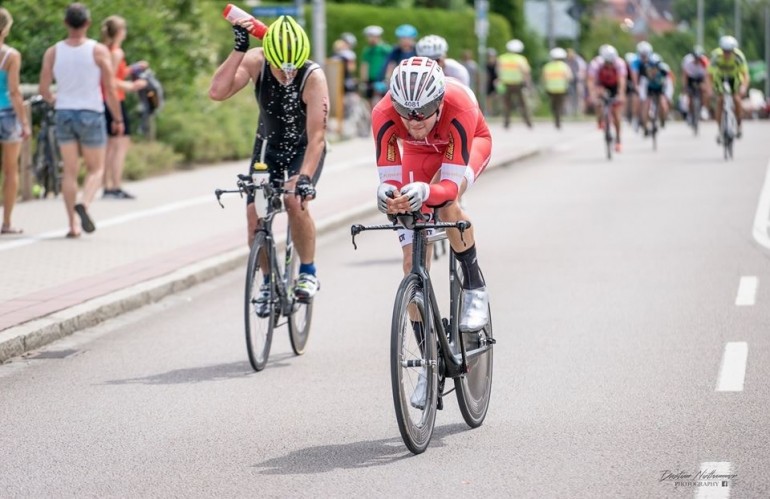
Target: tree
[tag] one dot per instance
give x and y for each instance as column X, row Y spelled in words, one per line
column 166, row 33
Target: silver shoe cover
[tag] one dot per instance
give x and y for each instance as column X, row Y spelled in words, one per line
column 475, row 310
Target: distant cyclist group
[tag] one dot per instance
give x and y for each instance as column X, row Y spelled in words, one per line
column 645, row 83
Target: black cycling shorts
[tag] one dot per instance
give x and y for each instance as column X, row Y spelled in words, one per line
column 279, row 161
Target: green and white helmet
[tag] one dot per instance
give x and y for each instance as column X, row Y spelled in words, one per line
column 286, row 44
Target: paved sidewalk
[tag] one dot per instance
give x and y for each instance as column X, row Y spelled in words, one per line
column 173, row 236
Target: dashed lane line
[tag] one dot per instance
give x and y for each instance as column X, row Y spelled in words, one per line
column 747, row 291
column 733, row 370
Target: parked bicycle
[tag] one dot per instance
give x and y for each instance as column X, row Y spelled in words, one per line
column 423, row 344
column 280, row 274
column 46, row 160
column 729, row 125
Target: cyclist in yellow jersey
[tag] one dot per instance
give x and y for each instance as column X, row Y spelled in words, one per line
column 557, row 77
column 728, row 64
column 513, row 73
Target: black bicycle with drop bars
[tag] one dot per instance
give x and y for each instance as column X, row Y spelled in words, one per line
column 280, row 277
column 46, row 160
column 423, row 343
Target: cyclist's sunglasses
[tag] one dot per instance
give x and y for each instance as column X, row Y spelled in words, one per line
column 417, row 114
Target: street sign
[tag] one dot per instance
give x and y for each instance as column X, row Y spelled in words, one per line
column 275, row 11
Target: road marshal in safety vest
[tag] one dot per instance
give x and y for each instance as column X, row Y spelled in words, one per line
column 511, row 68
column 557, row 75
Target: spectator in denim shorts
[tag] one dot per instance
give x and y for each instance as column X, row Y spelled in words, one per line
column 79, row 64
column 13, row 123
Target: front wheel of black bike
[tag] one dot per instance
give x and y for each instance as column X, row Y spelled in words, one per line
column 696, row 115
column 301, row 314
column 413, row 355
column 259, row 325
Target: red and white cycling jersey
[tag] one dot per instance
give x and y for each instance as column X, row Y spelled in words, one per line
column 695, row 68
column 459, row 145
column 605, row 75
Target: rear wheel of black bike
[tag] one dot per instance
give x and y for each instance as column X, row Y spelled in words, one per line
column 259, row 326
column 301, row 313
column 475, row 388
column 413, row 354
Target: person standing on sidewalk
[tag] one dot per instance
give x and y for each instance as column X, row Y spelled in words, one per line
column 13, row 123
column 514, row 72
column 557, row 76
column 293, row 100
column 113, row 34
column 373, row 61
column 79, row 64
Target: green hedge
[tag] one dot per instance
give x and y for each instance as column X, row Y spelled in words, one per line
column 456, row 26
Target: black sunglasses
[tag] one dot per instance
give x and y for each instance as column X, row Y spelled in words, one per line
column 419, row 114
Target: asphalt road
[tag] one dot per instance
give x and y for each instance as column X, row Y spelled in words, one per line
column 614, row 288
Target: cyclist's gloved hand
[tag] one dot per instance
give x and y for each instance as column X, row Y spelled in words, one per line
column 305, row 188
column 241, row 38
column 417, row 193
column 384, row 192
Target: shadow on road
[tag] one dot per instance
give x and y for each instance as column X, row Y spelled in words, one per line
column 205, row 373
column 365, row 454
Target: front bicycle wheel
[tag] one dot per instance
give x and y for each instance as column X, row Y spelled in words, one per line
column 475, row 388
column 259, row 319
column 301, row 314
column 696, row 115
column 608, row 137
column 413, row 366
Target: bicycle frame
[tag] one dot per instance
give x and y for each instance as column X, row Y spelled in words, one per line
column 728, row 110
column 456, row 364
column 274, row 192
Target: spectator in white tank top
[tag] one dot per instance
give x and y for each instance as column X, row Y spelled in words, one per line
column 79, row 64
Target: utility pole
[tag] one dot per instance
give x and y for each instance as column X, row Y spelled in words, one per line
column 482, row 31
column 738, row 21
column 319, row 32
column 700, row 23
column 767, row 50
column 550, row 27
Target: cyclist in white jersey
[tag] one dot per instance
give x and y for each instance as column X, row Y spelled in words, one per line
column 435, row 47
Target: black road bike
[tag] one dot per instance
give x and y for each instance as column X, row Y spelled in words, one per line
column 46, row 160
column 653, row 119
column 282, row 306
column 425, row 344
column 696, row 103
column 607, row 105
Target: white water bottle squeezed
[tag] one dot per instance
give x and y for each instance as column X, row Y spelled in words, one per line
column 260, row 175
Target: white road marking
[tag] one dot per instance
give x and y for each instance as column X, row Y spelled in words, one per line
column 714, row 486
column 733, row 369
column 747, row 291
column 110, row 222
column 762, row 218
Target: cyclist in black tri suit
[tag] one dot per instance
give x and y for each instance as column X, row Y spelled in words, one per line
column 293, row 100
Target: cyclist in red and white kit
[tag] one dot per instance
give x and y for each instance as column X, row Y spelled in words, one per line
column 607, row 73
column 445, row 145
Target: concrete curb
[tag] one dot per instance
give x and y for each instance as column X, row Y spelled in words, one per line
column 34, row 334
